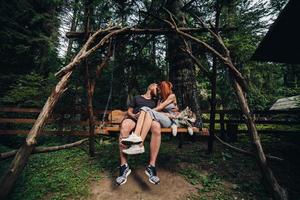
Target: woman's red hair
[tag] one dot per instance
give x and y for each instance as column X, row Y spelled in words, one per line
column 165, row 89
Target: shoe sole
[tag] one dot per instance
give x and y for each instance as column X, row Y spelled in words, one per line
column 146, row 172
column 133, row 153
column 125, row 179
column 127, row 143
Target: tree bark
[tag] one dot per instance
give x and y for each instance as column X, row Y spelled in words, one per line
column 90, row 110
column 9, row 154
column 90, row 82
column 212, row 107
column 182, row 70
column 213, row 101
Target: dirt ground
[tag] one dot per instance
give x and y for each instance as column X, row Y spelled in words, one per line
column 138, row 187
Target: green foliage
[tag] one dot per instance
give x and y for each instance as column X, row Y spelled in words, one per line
column 28, row 37
column 30, row 90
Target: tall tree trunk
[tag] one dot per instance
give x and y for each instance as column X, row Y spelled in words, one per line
column 90, row 93
column 90, row 81
column 213, row 88
column 182, row 70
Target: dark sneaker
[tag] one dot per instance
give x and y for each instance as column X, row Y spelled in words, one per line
column 124, row 171
column 151, row 173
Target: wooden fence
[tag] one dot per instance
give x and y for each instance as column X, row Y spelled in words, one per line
column 15, row 120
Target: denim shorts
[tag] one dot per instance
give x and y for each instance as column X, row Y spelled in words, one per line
column 160, row 117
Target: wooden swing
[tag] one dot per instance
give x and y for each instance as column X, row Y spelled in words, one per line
column 116, row 117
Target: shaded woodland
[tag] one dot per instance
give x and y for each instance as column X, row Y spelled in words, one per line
column 203, row 47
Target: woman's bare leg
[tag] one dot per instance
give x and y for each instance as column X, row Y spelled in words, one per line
column 146, row 126
column 140, row 123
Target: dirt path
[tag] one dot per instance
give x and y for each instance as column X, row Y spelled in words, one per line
column 138, row 187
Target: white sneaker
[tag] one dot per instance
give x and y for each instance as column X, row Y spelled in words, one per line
column 134, row 149
column 174, row 129
column 132, row 139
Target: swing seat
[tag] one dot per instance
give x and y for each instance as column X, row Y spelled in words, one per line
column 117, row 116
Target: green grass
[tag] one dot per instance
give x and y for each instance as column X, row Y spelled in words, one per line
column 57, row 175
column 223, row 175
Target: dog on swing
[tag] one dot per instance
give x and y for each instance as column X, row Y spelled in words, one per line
column 185, row 119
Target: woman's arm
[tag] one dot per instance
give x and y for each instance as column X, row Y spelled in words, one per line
column 168, row 101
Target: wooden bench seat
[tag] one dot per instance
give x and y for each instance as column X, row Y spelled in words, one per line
column 110, row 125
column 117, row 116
column 107, row 130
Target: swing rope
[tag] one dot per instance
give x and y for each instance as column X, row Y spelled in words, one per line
column 111, row 88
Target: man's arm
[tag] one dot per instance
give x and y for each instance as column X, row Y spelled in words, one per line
column 131, row 114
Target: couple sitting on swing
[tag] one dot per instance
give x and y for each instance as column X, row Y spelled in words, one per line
column 145, row 114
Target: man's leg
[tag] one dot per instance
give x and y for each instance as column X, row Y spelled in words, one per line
column 124, row 170
column 126, row 127
column 154, row 148
column 155, row 142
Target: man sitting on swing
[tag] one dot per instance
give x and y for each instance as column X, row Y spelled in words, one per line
column 129, row 123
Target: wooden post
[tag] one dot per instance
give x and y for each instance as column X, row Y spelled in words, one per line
column 222, row 125
column 212, row 108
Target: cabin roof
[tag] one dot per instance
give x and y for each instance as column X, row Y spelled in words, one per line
column 282, row 41
column 287, row 103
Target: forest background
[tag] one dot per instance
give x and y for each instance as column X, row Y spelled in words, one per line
column 34, row 47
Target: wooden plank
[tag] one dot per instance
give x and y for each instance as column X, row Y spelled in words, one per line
column 275, row 132
column 281, row 122
column 25, row 132
column 31, row 121
column 165, row 130
column 120, row 117
column 17, row 120
column 38, row 110
column 20, row 110
column 97, row 111
column 104, row 131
